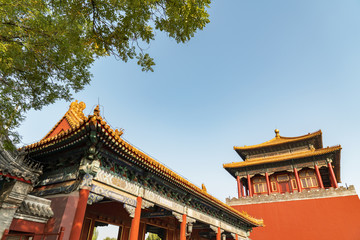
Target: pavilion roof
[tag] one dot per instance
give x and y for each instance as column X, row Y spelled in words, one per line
column 282, row 157
column 79, row 122
column 277, row 142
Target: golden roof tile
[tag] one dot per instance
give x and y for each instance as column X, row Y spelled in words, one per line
column 282, row 157
column 74, row 116
column 279, row 140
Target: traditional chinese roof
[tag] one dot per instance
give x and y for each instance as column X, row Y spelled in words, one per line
column 281, row 149
column 280, row 142
column 13, row 165
column 112, row 139
column 283, row 157
column 72, row 118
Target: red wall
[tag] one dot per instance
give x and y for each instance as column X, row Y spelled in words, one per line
column 326, row 218
column 64, row 211
column 21, row 225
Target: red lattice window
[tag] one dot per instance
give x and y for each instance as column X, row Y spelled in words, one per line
column 260, row 188
column 274, row 186
column 283, row 178
column 308, row 178
column 293, row 184
column 259, row 184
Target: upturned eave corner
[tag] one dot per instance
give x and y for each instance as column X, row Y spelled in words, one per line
column 255, row 221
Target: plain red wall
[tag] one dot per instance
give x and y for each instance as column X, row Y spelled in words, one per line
column 64, row 210
column 326, row 218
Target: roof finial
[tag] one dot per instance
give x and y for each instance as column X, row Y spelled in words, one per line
column 78, row 108
column 203, row 187
column 119, row 132
column 277, row 135
column 97, row 111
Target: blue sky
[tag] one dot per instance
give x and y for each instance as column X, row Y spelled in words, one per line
column 258, row 66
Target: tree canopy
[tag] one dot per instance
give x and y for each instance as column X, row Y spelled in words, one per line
column 95, row 234
column 48, row 46
column 153, row 236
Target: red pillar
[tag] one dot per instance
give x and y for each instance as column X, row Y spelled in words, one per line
column 236, row 237
column 79, row 214
column 242, row 188
column 249, row 185
column 332, row 176
column 218, row 234
column 238, row 186
column 267, row 182
column 297, row 180
column 135, row 222
column 61, row 236
column 183, row 228
column 319, row 176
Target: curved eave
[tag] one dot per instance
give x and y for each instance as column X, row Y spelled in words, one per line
column 279, row 141
column 119, row 145
column 284, row 157
column 51, row 143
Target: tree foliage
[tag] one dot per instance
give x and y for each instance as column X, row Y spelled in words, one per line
column 153, row 236
column 48, row 46
column 95, row 234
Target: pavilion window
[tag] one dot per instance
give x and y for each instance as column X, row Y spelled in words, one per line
column 293, row 184
column 273, row 184
column 283, row 178
column 259, row 184
column 308, row 178
column 293, row 181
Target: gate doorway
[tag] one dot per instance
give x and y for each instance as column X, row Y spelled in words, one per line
column 155, row 233
column 106, row 231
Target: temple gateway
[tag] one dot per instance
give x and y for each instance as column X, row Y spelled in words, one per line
column 83, row 175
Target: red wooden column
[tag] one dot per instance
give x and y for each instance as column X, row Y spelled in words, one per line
column 332, row 176
column 218, row 234
column 319, row 176
column 249, row 185
column 242, row 188
column 61, row 236
column 183, row 228
column 135, row 222
column 297, row 180
column 239, row 186
column 79, row 214
column 267, row 182
column 236, row 237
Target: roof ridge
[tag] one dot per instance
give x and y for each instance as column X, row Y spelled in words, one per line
column 318, row 132
column 278, row 139
column 74, row 116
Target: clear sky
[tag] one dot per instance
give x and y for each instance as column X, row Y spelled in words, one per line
column 258, row 66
